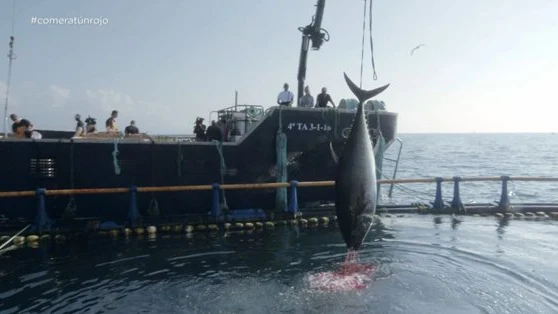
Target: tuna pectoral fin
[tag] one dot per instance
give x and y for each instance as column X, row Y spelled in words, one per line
column 333, row 154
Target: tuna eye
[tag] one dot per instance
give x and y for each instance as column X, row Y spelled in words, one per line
column 345, row 133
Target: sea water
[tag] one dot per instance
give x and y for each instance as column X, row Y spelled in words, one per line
column 421, row 264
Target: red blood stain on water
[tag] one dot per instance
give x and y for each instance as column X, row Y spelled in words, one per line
column 350, row 277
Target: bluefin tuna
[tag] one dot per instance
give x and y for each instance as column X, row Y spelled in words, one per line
column 355, row 181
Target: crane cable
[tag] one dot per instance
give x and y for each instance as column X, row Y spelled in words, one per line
column 362, row 45
column 372, row 42
column 375, row 76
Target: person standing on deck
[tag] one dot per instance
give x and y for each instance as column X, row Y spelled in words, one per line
column 306, row 101
column 131, row 129
column 111, row 125
column 213, row 132
column 199, row 130
column 80, row 126
column 323, row 98
column 285, row 98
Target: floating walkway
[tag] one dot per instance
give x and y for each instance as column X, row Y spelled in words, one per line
column 217, row 220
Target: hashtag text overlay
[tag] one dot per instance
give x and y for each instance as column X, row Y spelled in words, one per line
column 69, row 20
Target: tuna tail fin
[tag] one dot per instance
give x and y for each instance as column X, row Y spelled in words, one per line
column 363, row 95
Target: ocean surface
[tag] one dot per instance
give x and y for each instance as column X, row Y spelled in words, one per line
column 474, row 155
column 424, row 264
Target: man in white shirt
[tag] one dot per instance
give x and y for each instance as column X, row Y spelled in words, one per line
column 285, row 98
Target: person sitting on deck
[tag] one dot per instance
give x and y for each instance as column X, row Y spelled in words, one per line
column 285, row 98
column 323, row 99
column 23, row 128
column 90, row 125
column 213, row 132
column 80, row 126
column 31, row 133
column 306, row 101
column 131, row 129
column 110, row 124
column 199, row 130
column 19, row 125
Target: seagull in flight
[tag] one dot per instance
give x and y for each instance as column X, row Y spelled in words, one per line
column 417, row 47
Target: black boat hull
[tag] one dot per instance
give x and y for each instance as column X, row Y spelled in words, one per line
column 84, row 163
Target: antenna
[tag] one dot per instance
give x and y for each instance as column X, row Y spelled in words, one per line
column 235, row 100
column 11, row 57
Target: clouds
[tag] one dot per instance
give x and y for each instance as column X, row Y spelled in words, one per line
column 53, row 107
column 150, row 116
column 108, row 100
column 57, row 96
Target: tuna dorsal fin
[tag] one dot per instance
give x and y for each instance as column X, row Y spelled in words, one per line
column 363, row 95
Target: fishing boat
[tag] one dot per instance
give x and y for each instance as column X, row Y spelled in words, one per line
column 103, row 161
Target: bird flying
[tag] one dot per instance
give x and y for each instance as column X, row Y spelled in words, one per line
column 417, row 47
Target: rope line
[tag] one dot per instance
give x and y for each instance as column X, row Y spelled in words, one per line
column 115, row 162
column 375, row 75
column 179, row 159
column 405, row 189
column 223, row 168
column 362, row 45
column 153, row 208
column 71, row 207
column 371, row 43
column 331, row 115
column 281, row 163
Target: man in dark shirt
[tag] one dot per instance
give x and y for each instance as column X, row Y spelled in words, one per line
column 213, row 132
column 131, row 129
column 199, row 130
column 18, row 122
column 90, row 125
column 20, row 126
column 323, row 98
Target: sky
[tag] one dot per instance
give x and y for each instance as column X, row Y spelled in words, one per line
column 487, row 66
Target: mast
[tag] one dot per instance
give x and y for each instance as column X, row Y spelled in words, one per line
column 315, row 33
column 235, row 101
column 11, row 57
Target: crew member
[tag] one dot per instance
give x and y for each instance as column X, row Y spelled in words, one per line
column 111, row 125
column 80, row 126
column 199, row 129
column 285, row 98
column 306, row 101
column 20, row 125
column 131, row 129
column 90, row 125
column 213, row 132
column 323, row 98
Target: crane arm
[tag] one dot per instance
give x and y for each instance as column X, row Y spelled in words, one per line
column 311, row 33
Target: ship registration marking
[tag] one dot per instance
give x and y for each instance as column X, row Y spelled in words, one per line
column 299, row 126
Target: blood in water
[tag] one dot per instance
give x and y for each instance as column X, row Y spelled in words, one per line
column 351, row 276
